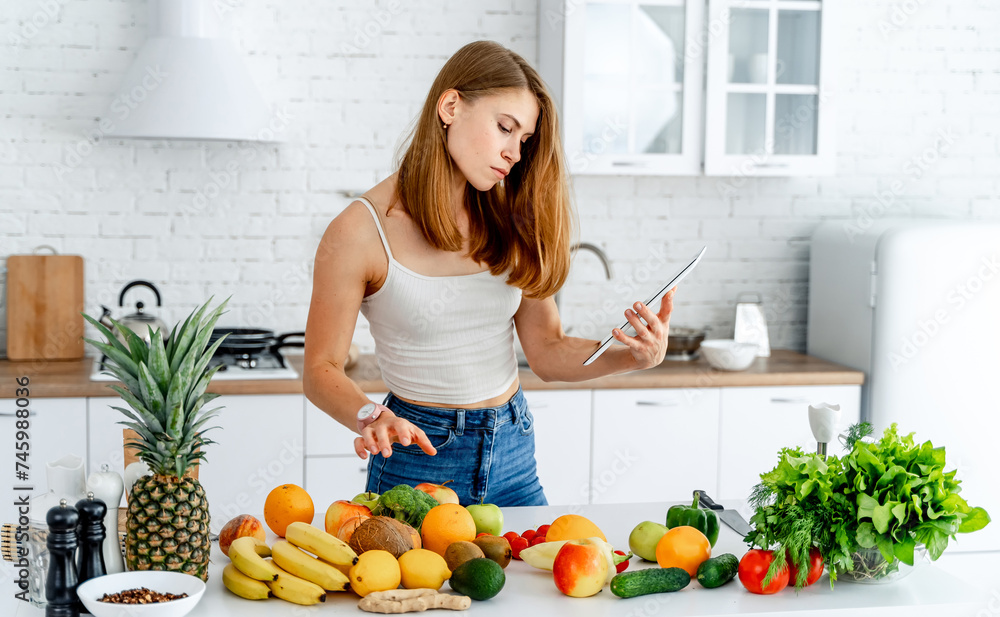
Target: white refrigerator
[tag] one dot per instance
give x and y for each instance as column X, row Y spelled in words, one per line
column 915, row 305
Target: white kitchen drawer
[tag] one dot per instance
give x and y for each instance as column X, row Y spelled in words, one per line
column 562, row 443
column 329, row 478
column 654, row 444
column 327, row 437
column 759, row 421
column 57, row 427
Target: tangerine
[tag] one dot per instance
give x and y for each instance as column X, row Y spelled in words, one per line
column 683, row 547
column 287, row 504
column 444, row 524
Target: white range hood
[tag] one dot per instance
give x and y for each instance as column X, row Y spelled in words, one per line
column 188, row 82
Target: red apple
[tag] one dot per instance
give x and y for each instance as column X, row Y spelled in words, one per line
column 340, row 512
column 580, row 569
column 439, row 491
column 241, row 525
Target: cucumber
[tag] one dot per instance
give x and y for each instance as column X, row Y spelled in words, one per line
column 718, row 571
column 650, row 580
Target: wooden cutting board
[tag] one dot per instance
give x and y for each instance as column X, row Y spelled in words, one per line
column 44, row 302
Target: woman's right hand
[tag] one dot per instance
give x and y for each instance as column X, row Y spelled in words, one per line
column 387, row 430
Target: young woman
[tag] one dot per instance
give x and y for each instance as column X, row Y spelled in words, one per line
column 468, row 238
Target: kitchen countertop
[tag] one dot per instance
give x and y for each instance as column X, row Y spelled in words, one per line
column 956, row 585
column 54, row 379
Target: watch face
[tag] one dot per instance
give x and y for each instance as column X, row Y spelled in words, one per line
column 366, row 411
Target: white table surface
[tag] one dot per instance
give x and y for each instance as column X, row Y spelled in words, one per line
column 959, row 584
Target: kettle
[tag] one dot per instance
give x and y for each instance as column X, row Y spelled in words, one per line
column 139, row 322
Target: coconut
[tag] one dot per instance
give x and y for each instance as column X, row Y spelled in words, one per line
column 384, row 533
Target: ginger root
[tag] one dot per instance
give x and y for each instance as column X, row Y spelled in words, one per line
column 412, row 601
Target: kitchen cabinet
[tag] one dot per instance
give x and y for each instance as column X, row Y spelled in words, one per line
column 759, row 421
column 329, row 478
column 562, row 443
column 769, row 84
column 327, row 437
column 332, row 469
column 652, row 87
column 260, row 446
column 654, row 444
column 55, row 430
column 630, row 96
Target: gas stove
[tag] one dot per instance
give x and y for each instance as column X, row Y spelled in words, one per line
column 268, row 364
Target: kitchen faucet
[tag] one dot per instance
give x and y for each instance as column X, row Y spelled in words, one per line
column 596, row 250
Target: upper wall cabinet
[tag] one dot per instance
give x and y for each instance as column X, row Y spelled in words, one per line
column 635, row 97
column 629, row 90
column 770, row 109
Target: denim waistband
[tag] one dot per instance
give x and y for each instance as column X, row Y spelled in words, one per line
column 483, row 418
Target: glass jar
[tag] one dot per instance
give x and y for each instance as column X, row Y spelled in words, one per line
column 871, row 568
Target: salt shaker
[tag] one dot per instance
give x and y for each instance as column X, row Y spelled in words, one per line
column 90, row 558
column 107, row 486
column 60, row 585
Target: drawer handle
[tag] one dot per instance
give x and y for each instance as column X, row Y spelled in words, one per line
column 363, row 470
column 657, row 403
column 800, row 401
column 539, row 404
column 12, row 414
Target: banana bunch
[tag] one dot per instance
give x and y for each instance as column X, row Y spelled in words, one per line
column 296, row 561
column 291, row 574
column 543, row 555
column 327, row 547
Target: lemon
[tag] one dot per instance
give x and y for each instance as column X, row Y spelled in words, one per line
column 422, row 568
column 375, row 571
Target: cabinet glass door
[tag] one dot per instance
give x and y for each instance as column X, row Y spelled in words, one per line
column 767, row 94
column 631, row 96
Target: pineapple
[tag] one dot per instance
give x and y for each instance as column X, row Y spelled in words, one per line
column 167, row 518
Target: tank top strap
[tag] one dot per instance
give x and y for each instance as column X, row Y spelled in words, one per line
column 381, row 232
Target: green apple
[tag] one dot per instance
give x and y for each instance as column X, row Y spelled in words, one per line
column 488, row 518
column 643, row 539
column 366, row 499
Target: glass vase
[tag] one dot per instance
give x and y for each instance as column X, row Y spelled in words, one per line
column 871, row 568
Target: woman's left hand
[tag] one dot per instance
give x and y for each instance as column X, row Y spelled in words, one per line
column 649, row 345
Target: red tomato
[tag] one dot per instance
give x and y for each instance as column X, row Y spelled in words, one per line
column 619, row 568
column 542, row 530
column 753, row 568
column 529, row 534
column 517, row 545
column 815, row 568
column 510, row 535
column 537, row 540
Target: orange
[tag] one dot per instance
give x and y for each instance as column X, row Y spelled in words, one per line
column 683, row 547
column 573, row 527
column 287, row 504
column 444, row 524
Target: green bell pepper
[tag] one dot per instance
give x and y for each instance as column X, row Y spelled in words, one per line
column 704, row 521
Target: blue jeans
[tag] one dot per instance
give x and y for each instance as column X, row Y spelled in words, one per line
column 487, row 453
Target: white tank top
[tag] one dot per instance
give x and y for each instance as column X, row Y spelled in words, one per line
column 442, row 339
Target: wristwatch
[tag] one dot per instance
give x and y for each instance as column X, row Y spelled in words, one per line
column 368, row 414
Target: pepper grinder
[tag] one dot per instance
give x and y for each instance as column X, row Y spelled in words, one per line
column 60, row 584
column 90, row 559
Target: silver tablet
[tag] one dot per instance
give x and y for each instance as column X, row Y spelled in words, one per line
column 651, row 303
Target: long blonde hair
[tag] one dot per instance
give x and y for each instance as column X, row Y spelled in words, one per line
column 523, row 226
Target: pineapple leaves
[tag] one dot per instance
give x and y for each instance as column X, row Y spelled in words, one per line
column 112, row 339
column 149, row 390
column 159, row 366
column 122, row 358
column 148, row 418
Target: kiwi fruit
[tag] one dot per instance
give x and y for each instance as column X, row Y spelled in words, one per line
column 496, row 548
column 459, row 552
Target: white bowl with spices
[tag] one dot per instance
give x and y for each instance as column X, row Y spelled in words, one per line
column 90, row 593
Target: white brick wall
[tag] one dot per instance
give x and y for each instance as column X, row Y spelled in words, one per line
column 244, row 219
